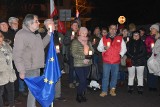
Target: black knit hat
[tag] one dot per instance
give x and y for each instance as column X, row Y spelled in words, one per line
column 2, row 20
column 135, row 32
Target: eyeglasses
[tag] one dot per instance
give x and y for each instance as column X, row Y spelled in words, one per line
column 14, row 23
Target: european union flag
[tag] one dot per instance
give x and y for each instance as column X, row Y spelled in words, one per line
column 43, row 87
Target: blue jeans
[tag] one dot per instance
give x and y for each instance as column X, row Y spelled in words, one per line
column 108, row 69
column 121, row 75
column 21, row 85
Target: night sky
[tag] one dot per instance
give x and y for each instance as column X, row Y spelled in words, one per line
column 105, row 12
column 136, row 11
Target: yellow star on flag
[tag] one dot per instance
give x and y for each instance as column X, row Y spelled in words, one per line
column 51, row 82
column 52, row 59
column 45, row 80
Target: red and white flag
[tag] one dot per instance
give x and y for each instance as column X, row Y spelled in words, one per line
column 61, row 27
column 53, row 10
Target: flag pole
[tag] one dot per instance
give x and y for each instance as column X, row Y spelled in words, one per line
column 51, row 8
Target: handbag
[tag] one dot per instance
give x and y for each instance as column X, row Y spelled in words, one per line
column 128, row 62
column 153, row 65
column 93, row 72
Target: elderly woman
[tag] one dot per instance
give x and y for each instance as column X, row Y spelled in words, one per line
column 7, row 73
column 136, row 50
column 80, row 48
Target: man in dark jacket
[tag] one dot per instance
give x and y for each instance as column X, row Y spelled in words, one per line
column 8, row 35
column 57, row 44
column 70, row 35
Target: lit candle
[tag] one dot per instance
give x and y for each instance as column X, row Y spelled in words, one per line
column 90, row 52
column 59, row 39
column 50, row 28
column 73, row 33
column 94, row 40
column 152, row 45
column 108, row 44
column 127, row 39
column 57, row 47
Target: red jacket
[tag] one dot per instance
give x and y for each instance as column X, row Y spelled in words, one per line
column 149, row 40
column 112, row 55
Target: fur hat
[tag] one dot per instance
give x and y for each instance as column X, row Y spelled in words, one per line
column 155, row 26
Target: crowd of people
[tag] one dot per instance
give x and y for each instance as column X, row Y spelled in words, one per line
column 23, row 52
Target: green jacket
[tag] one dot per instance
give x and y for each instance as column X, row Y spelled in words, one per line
column 78, row 53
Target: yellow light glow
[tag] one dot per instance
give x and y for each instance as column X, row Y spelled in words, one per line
column 121, row 19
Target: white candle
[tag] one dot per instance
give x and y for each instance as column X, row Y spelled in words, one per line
column 59, row 39
column 108, row 44
column 90, row 52
column 50, row 28
column 127, row 39
column 57, row 47
column 152, row 45
column 94, row 40
column 73, row 33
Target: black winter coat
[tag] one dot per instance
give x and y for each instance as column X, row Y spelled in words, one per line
column 56, row 42
column 136, row 50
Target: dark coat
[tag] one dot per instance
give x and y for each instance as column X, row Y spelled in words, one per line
column 136, row 50
column 9, row 37
column 67, row 42
column 56, row 42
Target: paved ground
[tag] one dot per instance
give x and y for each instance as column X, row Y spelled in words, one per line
column 123, row 99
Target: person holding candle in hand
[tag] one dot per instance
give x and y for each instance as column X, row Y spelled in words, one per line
column 80, row 48
column 150, row 40
column 70, row 35
column 113, row 48
column 28, row 51
column 156, row 52
column 51, row 25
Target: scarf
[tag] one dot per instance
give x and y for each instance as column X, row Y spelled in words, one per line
column 84, row 41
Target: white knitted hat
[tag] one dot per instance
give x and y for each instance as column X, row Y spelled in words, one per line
column 155, row 26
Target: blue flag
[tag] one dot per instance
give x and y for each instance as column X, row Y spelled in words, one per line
column 43, row 87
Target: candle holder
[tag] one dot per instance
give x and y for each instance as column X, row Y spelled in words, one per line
column 88, row 56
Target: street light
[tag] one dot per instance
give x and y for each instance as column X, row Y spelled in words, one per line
column 121, row 19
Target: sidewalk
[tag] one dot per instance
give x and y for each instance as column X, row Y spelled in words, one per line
column 123, row 99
